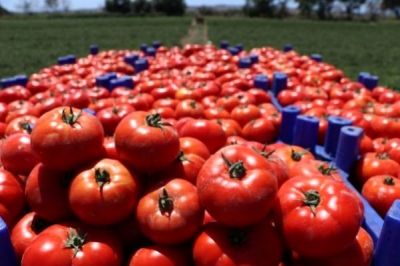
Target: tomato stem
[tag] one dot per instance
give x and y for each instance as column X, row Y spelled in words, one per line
column 26, row 126
column 154, row 120
column 389, row 181
column 101, row 176
column 70, row 118
column 165, row 203
column 328, row 170
column 312, row 199
column 297, row 155
column 236, row 170
column 75, row 240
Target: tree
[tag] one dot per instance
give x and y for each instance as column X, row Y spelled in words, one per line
column 65, row 5
column 170, row 7
column 26, row 6
column 142, row 7
column 262, row 8
column 323, row 8
column 393, row 5
column 306, row 7
column 350, row 6
column 51, row 4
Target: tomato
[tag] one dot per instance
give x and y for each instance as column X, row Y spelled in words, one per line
column 259, row 245
column 228, row 182
column 194, row 146
column 67, row 138
column 189, row 108
column 314, row 167
column 111, row 116
column 14, row 93
column 12, row 200
column 216, row 112
column 25, row 232
column 146, row 142
column 47, row 104
column 161, row 255
column 371, row 164
column 359, row 253
column 208, row 132
column 230, row 127
column 46, row 191
column 104, row 193
column 61, row 244
column 170, row 212
column 260, row 129
column 318, row 216
column 381, row 191
column 77, row 99
column 292, row 154
column 16, row 154
column 243, row 114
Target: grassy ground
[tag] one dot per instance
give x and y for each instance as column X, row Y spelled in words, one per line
column 26, row 45
column 351, row 46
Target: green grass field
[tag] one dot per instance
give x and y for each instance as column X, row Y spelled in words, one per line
column 26, row 45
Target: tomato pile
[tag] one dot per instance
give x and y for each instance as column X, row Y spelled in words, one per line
column 185, row 168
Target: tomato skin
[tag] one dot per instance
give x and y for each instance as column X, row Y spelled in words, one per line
column 381, row 191
column 104, row 193
column 194, row 146
column 161, row 255
column 359, row 253
column 261, row 130
column 208, row 132
column 145, row 142
column 258, row 245
column 312, row 167
column 111, row 116
column 254, row 176
column 99, row 248
column 325, row 234
column 46, row 191
column 62, row 143
column 292, row 154
column 371, row 164
column 12, row 200
column 170, row 224
column 16, row 154
column 25, row 232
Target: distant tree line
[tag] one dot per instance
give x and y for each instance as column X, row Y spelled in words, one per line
column 145, row 7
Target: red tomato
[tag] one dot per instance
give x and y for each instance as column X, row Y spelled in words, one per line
column 12, row 200
column 67, row 138
column 358, row 253
column 111, row 116
column 189, row 108
column 46, row 191
column 170, row 213
column 291, row 154
column 243, row 114
column 228, row 182
column 208, row 132
column 25, row 232
column 260, row 129
column 381, row 191
column 258, row 245
column 104, row 193
column 61, row 244
column 16, row 154
column 371, row 164
column 194, row 146
column 161, row 255
column 314, row 167
column 146, row 142
column 328, row 209
column 230, row 127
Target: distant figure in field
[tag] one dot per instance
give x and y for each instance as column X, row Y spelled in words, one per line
column 199, row 19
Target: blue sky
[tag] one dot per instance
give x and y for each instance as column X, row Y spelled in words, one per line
column 90, row 4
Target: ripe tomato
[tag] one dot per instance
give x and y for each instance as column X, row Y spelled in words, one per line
column 46, row 191
column 170, row 212
column 161, row 255
column 243, row 114
column 208, row 132
column 16, row 154
column 66, row 138
column 314, row 167
column 371, row 164
column 318, row 216
column 25, row 232
column 146, row 142
column 359, row 253
column 230, row 127
column 61, row 244
column 104, row 193
column 291, row 154
column 189, row 108
column 194, row 146
column 245, row 176
column 259, row 245
column 381, row 191
column 12, row 200
column 111, row 116
column 260, row 129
